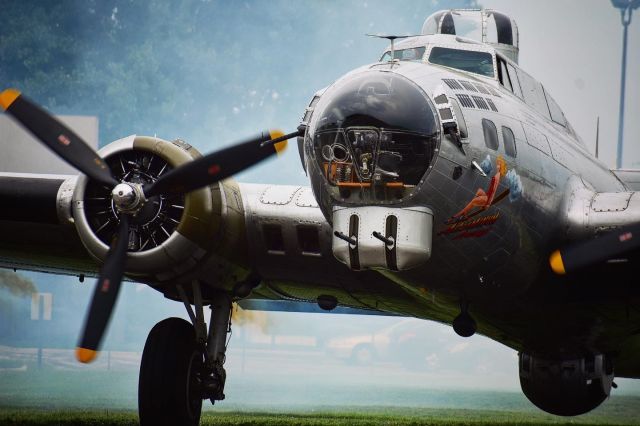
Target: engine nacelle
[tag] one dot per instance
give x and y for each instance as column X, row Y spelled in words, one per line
column 566, row 387
column 171, row 236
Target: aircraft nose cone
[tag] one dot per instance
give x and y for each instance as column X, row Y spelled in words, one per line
column 375, row 98
column 372, row 136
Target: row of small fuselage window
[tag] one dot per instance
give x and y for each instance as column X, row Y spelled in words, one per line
column 491, row 138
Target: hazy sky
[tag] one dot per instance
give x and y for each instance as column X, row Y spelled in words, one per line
column 574, row 48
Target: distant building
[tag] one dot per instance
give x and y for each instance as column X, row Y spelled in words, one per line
column 21, row 153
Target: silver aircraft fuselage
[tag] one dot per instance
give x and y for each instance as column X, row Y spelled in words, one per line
column 498, row 211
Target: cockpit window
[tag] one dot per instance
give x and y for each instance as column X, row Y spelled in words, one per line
column 412, row 54
column 465, row 60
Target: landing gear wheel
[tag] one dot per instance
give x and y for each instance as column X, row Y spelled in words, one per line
column 169, row 391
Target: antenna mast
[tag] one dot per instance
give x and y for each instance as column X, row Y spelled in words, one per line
column 597, row 134
column 626, row 9
column 392, row 39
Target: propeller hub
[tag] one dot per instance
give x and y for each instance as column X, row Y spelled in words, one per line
column 128, row 197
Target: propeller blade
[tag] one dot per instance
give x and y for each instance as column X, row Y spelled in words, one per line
column 104, row 295
column 58, row 137
column 596, row 250
column 219, row 165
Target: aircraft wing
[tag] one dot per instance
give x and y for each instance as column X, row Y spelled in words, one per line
column 36, row 228
column 602, row 229
column 287, row 243
column 598, row 258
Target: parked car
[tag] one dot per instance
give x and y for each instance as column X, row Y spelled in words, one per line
column 413, row 343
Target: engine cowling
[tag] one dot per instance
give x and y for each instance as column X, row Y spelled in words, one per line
column 169, row 236
column 566, row 387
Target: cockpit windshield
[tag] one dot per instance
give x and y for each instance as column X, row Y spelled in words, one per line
column 411, row 54
column 465, row 60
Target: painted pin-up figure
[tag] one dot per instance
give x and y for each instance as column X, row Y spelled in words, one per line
column 484, row 199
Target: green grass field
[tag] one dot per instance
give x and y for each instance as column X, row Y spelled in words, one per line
column 356, row 416
column 58, row 397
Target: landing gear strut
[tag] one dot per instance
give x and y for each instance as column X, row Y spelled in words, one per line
column 464, row 325
column 182, row 363
column 216, row 347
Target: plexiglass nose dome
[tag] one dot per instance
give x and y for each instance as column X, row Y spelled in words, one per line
column 372, row 138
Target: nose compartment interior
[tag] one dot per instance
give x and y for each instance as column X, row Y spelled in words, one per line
column 375, row 163
column 374, row 137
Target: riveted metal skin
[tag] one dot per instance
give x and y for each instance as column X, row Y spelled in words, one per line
column 65, row 200
column 589, row 212
column 413, row 229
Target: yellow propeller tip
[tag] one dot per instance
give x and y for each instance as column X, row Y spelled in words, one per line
column 8, row 97
column 85, row 356
column 280, row 146
column 557, row 265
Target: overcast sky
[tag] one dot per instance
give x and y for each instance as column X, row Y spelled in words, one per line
column 574, row 47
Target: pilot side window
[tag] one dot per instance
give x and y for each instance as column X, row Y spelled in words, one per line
column 509, row 142
column 554, row 109
column 533, row 93
column 513, row 76
column 490, row 134
column 503, row 75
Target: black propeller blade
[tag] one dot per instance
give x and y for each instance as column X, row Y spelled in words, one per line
column 219, row 165
column 596, row 250
column 194, row 175
column 58, row 137
column 105, row 294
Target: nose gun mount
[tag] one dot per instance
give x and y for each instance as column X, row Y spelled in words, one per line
column 381, row 237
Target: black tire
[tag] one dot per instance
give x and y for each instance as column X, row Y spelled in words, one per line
column 168, row 391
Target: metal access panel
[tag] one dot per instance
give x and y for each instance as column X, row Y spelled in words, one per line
column 22, row 153
column 403, row 238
